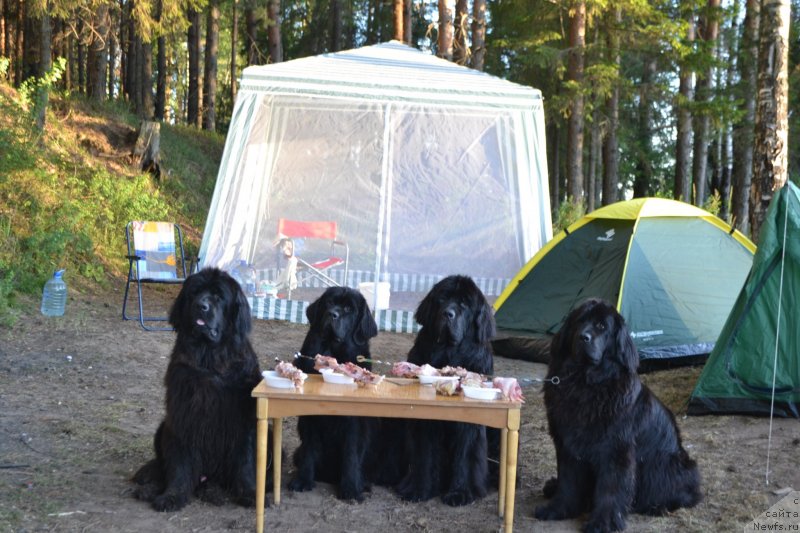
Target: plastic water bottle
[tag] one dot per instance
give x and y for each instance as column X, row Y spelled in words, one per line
column 54, row 295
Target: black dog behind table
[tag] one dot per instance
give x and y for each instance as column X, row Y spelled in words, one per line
column 333, row 448
column 450, row 459
column 618, row 447
column 207, row 437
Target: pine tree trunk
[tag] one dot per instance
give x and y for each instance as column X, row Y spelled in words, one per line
column 274, row 31
column 234, row 51
column 478, row 34
column 3, row 35
column 210, row 71
column 743, row 129
column 20, row 42
column 407, row 21
column 193, row 98
column 336, row 31
column 683, row 142
column 99, row 54
column 112, row 58
column 146, row 65
column 460, row 32
column 250, row 23
column 45, row 64
column 610, row 141
column 577, row 42
column 397, row 19
column 555, row 165
column 445, row 48
column 643, row 176
column 161, row 66
column 770, row 157
column 708, row 31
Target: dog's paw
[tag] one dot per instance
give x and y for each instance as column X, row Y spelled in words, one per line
column 146, row 493
column 552, row 511
column 550, row 487
column 605, row 523
column 411, row 493
column 350, row 494
column 457, row 498
column 169, row 502
column 299, row 484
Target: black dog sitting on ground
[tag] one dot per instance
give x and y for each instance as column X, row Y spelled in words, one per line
column 332, row 448
column 450, row 458
column 618, row 447
column 207, row 436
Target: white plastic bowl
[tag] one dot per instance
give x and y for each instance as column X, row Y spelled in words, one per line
column 430, row 380
column 329, row 376
column 481, row 393
column 274, row 380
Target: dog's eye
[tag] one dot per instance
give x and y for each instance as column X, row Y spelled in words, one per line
column 347, row 308
column 600, row 326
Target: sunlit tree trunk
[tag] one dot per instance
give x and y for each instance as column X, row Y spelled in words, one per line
column 478, row 34
column 770, row 157
column 743, row 129
column 99, row 54
column 577, row 42
column 161, row 65
column 398, row 10
column 251, row 24
column 445, row 42
column 407, row 21
column 45, row 64
column 146, row 77
column 234, row 41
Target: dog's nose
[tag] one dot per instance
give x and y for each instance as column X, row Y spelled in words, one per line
column 203, row 305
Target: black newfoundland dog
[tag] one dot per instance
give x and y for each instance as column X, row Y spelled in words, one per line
column 617, row 446
column 332, row 448
column 450, row 459
column 207, row 437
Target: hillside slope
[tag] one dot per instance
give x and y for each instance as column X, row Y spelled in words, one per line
column 67, row 193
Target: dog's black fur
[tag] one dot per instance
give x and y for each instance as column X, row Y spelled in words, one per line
column 450, row 459
column 207, row 437
column 618, row 447
column 332, row 448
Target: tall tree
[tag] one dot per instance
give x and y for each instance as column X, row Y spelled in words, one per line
column 478, row 34
column 98, row 53
column 445, row 42
column 193, row 97
column 147, row 109
column 406, row 21
column 683, row 141
column 643, row 177
column 460, row 32
column 398, row 11
column 274, row 31
column 770, row 155
column 251, row 25
column 45, row 63
column 575, row 68
column 743, row 129
column 3, row 28
column 707, row 31
column 234, row 52
column 210, row 71
column 161, row 64
column 610, row 141
column 336, row 31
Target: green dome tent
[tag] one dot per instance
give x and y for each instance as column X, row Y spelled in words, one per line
column 738, row 376
column 673, row 270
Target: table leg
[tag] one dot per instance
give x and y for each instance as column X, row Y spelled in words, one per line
column 277, row 444
column 261, row 460
column 501, row 490
column 511, row 469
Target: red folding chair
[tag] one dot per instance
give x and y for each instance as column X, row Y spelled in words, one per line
column 338, row 253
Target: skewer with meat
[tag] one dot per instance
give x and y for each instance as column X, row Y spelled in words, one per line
column 289, row 371
column 360, row 375
column 510, row 388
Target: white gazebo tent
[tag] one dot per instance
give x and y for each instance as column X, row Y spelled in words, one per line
column 428, row 168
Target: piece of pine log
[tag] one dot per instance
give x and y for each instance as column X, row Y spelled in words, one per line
column 147, row 149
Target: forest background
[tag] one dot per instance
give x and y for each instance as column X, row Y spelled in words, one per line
column 642, row 98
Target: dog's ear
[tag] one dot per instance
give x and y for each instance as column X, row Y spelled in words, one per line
column 177, row 309
column 626, row 349
column 424, row 315
column 365, row 327
column 241, row 318
column 484, row 322
column 312, row 312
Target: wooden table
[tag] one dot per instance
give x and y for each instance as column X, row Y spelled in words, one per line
column 393, row 398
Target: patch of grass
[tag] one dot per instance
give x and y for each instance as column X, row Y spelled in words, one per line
column 64, row 206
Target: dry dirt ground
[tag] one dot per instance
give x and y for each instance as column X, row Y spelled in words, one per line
column 81, row 395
